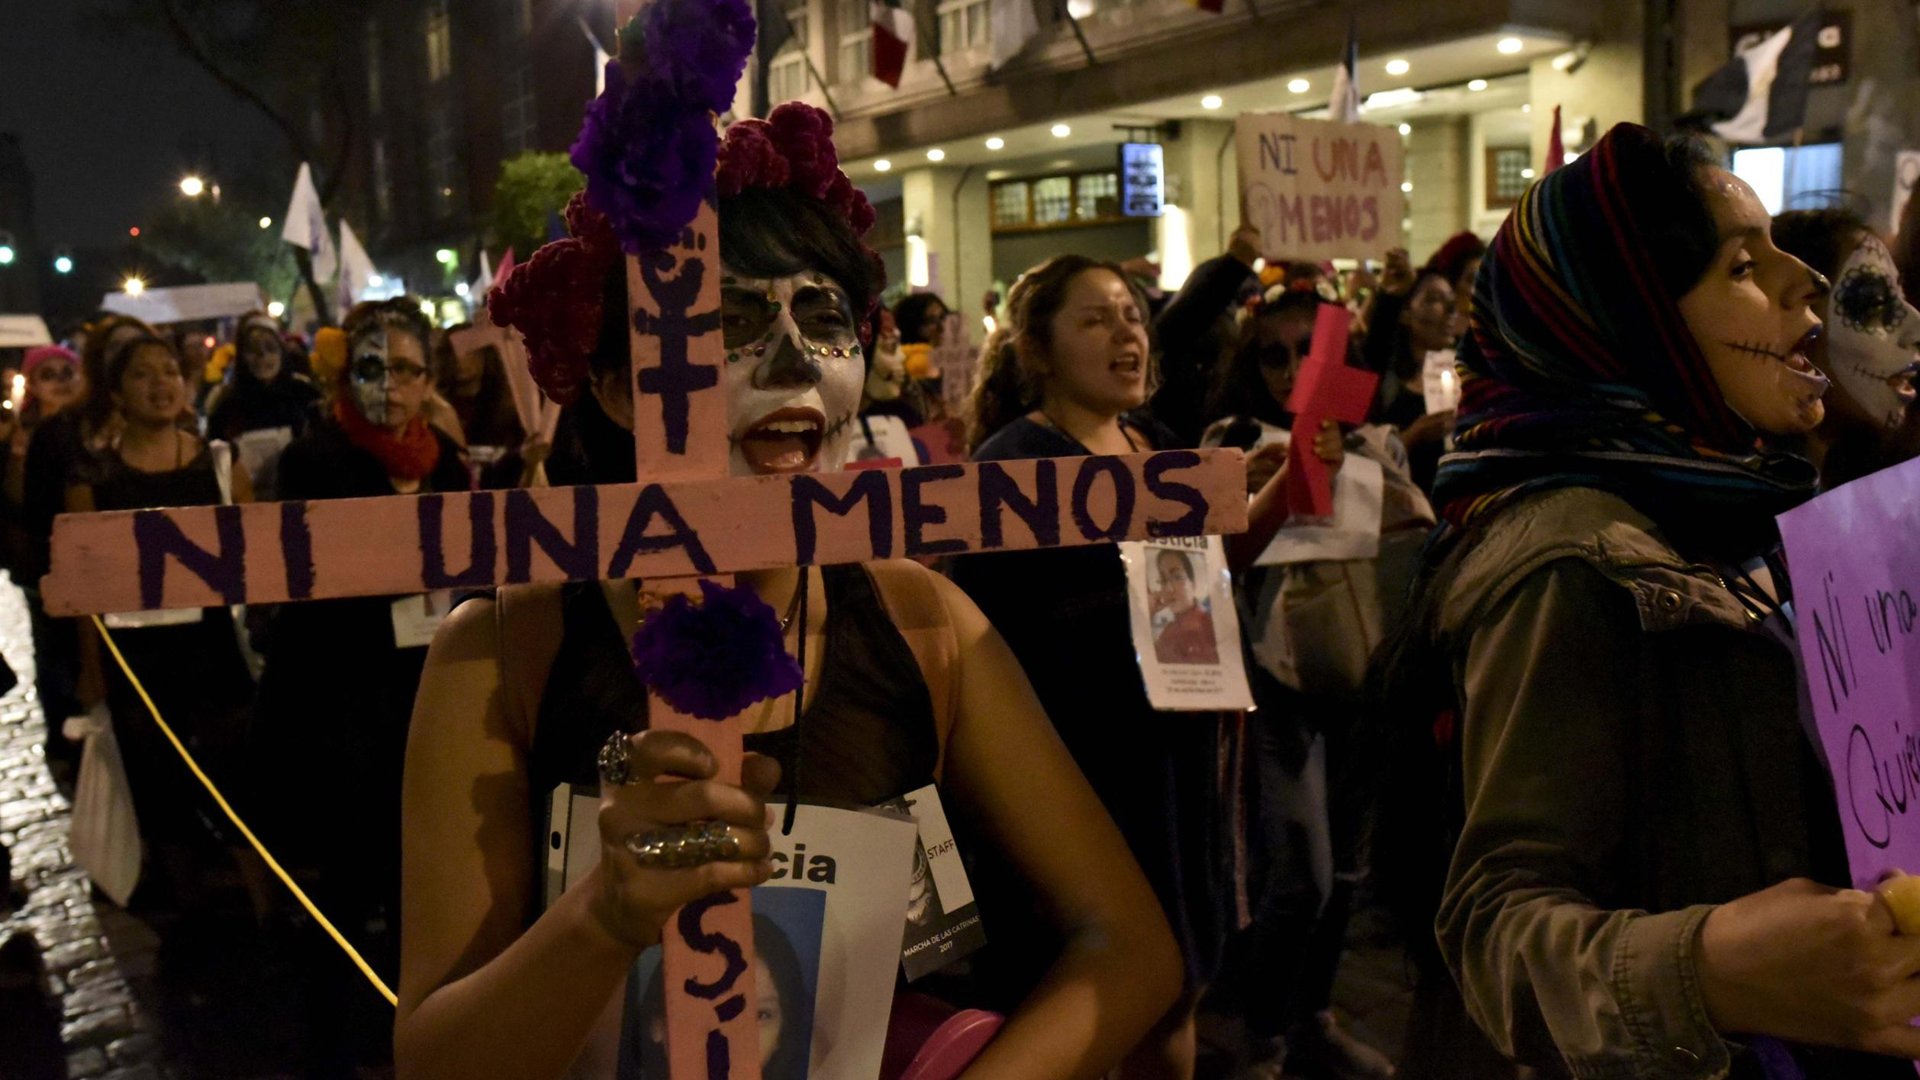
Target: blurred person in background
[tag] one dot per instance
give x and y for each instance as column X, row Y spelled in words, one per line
column 474, row 384
column 1869, row 345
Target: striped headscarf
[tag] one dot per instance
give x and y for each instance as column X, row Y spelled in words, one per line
column 1579, row 370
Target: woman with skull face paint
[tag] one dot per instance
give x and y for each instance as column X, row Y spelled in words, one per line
column 905, row 684
column 1870, row 347
column 262, row 390
column 1641, row 884
column 338, row 687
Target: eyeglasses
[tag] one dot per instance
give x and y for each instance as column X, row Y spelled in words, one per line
column 372, row 369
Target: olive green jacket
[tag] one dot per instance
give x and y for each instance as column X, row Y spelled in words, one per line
column 1632, row 753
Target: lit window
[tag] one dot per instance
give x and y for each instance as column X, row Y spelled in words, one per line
column 382, row 181
column 519, row 116
column 963, row 25
column 856, row 41
column 439, row 42
column 373, row 66
column 443, row 166
column 1010, row 209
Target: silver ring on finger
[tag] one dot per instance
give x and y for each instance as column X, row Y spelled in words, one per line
column 616, row 761
column 683, row 846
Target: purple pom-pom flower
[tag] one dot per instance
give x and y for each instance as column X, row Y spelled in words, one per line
column 648, row 145
column 699, row 48
column 647, row 163
column 715, row 659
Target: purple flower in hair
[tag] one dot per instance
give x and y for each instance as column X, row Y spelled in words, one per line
column 714, row 660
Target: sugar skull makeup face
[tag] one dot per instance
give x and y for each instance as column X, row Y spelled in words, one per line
column 388, row 375
column 794, row 372
column 1873, row 334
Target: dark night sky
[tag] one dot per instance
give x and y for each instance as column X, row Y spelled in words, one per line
column 110, row 123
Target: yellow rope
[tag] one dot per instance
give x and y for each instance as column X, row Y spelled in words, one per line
column 272, row 864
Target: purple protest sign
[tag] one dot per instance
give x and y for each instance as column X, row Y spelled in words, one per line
column 1855, row 564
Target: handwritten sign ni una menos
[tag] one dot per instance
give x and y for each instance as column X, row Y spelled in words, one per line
column 1321, row 190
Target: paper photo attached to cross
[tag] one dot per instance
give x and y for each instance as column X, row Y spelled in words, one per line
column 686, row 519
column 1328, row 389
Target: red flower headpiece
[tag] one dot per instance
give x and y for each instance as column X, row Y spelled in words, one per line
column 556, row 299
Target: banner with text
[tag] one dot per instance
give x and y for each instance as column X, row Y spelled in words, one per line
column 1321, row 190
column 205, row 556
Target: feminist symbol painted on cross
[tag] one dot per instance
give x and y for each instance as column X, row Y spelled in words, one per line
column 676, row 378
column 687, row 519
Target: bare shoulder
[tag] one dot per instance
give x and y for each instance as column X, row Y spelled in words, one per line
column 922, row 599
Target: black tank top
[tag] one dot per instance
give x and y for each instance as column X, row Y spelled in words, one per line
column 867, row 734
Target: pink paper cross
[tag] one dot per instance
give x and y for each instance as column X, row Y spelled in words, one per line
column 1327, row 389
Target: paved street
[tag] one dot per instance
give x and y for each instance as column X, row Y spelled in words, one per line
column 89, row 991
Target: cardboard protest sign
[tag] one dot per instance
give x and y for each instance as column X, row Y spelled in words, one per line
column 204, row 556
column 1856, row 588
column 1186, row 630
column 1320, row 190
column 1326, row 389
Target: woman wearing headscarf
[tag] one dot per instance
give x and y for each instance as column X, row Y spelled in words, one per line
column 1645, row 878
column 1871, row 347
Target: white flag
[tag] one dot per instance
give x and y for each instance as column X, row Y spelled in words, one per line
column 356, row 269
column 483, row 283
column 1012, row 24
column 1343, row 105
column 600, row 59
column 306, row 227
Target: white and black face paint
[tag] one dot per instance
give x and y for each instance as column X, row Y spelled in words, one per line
column 795, row 371
column 370, row 376
column 1873, row 334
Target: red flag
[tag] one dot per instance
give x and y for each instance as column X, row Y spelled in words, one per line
column 506, row 267
column 892, row 33
column 1556, row 150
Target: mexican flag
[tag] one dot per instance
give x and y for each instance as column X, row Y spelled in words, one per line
column 892, row 35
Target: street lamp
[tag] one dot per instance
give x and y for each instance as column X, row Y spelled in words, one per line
column 276, row 309
column 133, row 286
column 192, row 186
column 446, row 256
column 6, row 254
column 63, row 264
column 266, row 223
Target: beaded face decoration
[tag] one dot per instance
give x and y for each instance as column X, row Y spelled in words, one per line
column 795, row 369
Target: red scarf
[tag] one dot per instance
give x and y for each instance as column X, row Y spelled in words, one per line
column 410, row 455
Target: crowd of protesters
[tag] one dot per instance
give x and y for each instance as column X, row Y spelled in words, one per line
column 1456, row 730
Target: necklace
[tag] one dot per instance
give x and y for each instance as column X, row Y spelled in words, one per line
column 793, row 604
